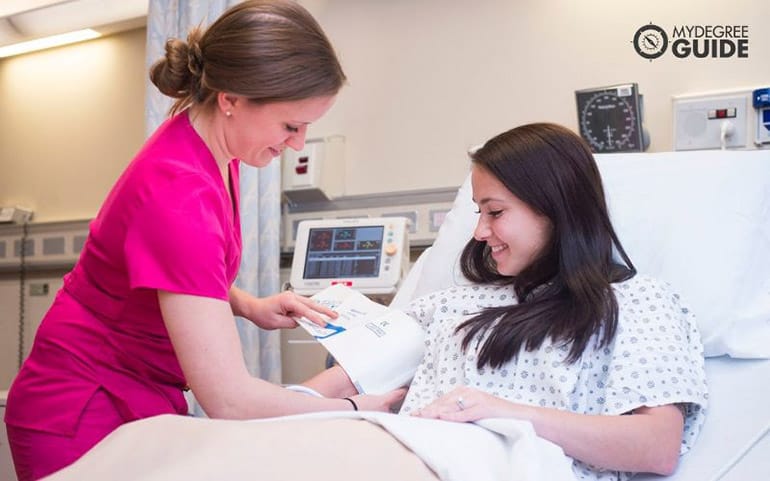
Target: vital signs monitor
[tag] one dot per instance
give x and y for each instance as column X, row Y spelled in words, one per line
column 370, row 255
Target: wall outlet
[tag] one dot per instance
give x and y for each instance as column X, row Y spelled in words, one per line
column 38, row 289
column 700, row 121
column 14, row 215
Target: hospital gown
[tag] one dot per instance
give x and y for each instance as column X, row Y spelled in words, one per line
column 656, row 358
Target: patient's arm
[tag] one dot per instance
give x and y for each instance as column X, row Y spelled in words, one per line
column 332, row 382
column 647, row 440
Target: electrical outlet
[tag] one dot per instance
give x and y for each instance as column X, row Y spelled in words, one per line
column 710, row 122
column 37, row 289
column 14, row 215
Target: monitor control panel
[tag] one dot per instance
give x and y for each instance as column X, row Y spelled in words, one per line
column 370, row 255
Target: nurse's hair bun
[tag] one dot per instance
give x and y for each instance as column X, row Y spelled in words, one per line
column 178, row 74
column 263, row 50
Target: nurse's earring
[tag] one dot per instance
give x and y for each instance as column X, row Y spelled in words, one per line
column 228, row 114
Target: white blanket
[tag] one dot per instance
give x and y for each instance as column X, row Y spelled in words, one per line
column 491, row 450
column 191, row 449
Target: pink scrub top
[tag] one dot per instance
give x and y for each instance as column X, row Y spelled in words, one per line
column 167, row 224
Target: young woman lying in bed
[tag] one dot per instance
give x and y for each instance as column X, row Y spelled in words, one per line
column 557, row 328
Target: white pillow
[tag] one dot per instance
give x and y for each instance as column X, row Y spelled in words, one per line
column 438, row 267
column 699, row 220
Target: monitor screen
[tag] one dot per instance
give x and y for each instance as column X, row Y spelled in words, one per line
column 349, row 252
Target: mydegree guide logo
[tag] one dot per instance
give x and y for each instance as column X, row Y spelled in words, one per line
column 699, row 41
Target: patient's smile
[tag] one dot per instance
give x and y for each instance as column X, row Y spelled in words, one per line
column 498, row 248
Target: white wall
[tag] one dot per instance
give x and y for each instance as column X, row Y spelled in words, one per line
column 430, row 78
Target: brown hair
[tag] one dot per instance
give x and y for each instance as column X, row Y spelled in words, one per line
column 565, row 294
column 265, row 50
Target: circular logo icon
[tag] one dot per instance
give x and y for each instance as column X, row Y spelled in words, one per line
column 650, row 41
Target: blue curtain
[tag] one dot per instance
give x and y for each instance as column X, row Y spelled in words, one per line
column 260, row 188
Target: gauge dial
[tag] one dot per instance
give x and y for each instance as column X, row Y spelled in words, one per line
column 609, row 118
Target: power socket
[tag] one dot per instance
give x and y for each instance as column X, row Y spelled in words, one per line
column 699, row 122
column 15, row 215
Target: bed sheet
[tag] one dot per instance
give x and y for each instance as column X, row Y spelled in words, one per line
column 333, row 446
column 734, row 444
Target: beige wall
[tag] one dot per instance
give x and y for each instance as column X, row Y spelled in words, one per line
column 428, row 79
column 70, row 119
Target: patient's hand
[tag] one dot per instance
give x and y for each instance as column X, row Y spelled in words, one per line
column 466, row 404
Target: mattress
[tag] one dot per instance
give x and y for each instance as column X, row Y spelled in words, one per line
column 734, row 444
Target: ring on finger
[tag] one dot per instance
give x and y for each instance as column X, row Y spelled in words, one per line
column 460, row 403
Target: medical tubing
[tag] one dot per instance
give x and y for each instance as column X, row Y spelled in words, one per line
column 741, row 454
column 22, row 282
column 355, row 406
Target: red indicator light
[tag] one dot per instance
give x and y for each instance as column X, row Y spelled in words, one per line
column 301, row 169
column 722, row 113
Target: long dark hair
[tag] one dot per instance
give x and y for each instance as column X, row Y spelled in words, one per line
column 565, row 294
column 265, row 50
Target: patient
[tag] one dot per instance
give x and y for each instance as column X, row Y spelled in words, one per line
column 557, row 328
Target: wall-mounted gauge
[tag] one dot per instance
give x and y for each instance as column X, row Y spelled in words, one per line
column 610, row 118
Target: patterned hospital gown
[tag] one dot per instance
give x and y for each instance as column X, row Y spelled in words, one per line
column 656, row 358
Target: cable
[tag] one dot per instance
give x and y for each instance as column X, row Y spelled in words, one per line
column 22, row 285
column 726, row 131
column 743, row 452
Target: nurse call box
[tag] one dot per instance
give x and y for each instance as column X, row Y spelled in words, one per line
column 369, row 255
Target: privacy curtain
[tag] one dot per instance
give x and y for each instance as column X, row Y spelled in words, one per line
column 260, row 188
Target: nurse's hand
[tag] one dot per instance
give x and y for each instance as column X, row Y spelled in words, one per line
column 388, row 402
column 278, row 311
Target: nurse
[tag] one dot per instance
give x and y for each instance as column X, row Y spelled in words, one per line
column 147, row 311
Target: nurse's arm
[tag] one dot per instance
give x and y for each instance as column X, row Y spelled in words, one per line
column 208, row 348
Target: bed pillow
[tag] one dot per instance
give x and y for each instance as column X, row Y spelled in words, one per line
column 438, row 266
column 699, row 220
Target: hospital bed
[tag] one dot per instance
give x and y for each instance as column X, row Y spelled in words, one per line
column 700, row 220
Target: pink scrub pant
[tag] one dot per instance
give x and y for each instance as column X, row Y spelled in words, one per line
column 37, row 454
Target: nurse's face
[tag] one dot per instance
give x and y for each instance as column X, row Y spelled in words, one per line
column 514, row 232
column 257, row 133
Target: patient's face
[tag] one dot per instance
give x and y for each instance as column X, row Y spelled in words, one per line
column 515, row 233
